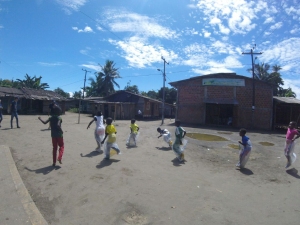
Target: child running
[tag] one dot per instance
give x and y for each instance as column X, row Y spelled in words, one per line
column 179, row 133
column 134, row 128
column 56, row 134
column 111, row 132
column 99, row 130
column 291, row 135
column 246, row 149
column 166, row 134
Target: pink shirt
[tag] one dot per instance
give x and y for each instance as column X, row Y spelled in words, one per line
column 291, row 133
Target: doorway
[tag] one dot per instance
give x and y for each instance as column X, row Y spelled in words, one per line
column 219, row 114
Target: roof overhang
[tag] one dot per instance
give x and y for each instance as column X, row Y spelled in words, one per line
column 221, row 101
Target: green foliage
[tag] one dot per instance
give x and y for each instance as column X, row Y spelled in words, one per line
column 61, row 92
column 9, row 83
column 133, row 89
column 33, row 82
column 170, row 95
column 152, row 94
column 104, row 83
column 287, row 93
column 262, row 72
column 73, row 110
column 77, row 94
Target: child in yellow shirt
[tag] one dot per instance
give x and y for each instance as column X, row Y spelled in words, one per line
column 134, row 128
column 110, row 132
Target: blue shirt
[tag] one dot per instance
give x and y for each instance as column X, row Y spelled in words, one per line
column 14, row 106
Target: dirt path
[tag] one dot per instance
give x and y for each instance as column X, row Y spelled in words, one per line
column 146, row 184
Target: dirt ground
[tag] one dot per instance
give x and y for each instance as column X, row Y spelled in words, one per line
column 147, row 184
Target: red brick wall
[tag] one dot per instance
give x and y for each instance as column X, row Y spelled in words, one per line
column 191, row 104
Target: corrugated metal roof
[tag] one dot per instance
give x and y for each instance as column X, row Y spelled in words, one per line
column 29, row 93
column 288, row 100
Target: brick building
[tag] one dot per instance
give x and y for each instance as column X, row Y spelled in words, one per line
column 225, row 99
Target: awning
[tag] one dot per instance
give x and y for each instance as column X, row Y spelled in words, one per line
column 221, row 101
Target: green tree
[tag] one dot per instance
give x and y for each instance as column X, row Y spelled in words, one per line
column 105, row 79
column 9, row 83
column 33, row 82
column 287, row 93
column 77, row 94
column 170, row 95
column 62, row 92
column 152, row 94
column 262, row 72
column 132, row 88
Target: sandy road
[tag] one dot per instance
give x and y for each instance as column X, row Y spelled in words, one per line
column 146, row 184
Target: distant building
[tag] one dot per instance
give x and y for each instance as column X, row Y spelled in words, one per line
column 31, row 101
column 225, row 99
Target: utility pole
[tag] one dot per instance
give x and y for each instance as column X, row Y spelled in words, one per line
column 164, row 80
column 82, row 94
column 253, row 82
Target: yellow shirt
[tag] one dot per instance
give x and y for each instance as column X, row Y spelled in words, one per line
column 111, row 130
column 134, row 128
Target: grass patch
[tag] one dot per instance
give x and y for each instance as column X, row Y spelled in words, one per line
column 205, row 137
column 264, row 143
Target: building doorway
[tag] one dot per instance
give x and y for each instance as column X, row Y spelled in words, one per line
column 219, row 114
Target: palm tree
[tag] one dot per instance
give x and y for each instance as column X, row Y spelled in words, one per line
column 287, row 93
column 33, row 82
column 105, row 79
column 261, row 72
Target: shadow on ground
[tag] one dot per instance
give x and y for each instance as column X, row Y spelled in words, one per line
column 92, row 154
column 176, row 162
column 293, row 172
column 246, row 171
column 44, row 170
column 106, row 162
column 164, row 148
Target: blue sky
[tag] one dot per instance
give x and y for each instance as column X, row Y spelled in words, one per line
column 56, row 39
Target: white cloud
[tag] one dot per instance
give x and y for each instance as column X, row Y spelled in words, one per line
column 238, row 14
column 207, row 34
column 92, row 66
column 123, row 21
column 71, row 5
column 269, row 20
column 75, row 28
column 51, row 64
column 276, row 26
column 140, row 54
column 294, row 85
column 87, row 29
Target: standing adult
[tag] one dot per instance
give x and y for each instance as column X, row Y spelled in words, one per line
column 14, row 112
column 140, row 114
column 1, row 116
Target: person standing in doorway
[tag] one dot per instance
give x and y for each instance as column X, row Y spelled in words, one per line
column 1, row 116
column 14, row 112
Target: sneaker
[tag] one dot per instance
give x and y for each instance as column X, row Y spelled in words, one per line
column 53, row 164
column 238, row 165
column 98, row 149
column 288, row 165
column 106, row 158
column 60, row 161
column 18, row 127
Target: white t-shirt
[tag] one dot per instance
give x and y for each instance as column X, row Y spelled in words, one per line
column 99, row 121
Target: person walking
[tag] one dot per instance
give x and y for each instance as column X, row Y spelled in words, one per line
column 1, row 116
column 56, row 134
column 14, row 112
column 99, row 130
